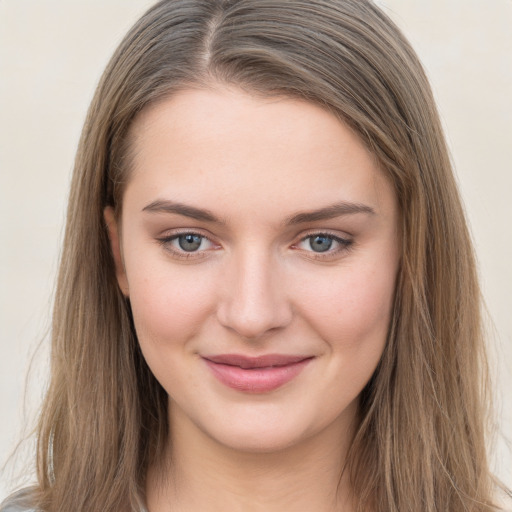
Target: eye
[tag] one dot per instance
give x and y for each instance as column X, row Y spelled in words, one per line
column 323, row 244
column 187, row 244
column 190, row 242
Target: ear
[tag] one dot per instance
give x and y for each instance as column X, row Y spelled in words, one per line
column 115, row 245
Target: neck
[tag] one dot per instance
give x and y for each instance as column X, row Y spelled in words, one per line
column 201, row 474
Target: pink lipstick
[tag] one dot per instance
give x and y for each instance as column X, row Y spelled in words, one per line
column 256, row 374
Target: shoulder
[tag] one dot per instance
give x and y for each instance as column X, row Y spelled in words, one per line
column 21, row 501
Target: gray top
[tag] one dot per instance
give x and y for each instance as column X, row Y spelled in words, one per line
column 13, row 507
column 22, row 501
column 18, row 502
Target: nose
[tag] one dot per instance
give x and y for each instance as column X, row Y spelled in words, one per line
column 254, row 301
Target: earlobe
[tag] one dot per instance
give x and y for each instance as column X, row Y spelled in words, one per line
column 115, row 245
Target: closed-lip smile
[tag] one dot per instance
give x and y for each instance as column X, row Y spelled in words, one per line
column 260, row 374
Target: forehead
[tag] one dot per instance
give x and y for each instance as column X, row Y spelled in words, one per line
column 227, row 147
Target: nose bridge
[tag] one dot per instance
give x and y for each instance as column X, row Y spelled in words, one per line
column 254, row 300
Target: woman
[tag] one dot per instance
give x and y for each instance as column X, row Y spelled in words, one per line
column 267, row 296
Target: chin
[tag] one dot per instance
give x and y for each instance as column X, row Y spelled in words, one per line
column 262, row 441
column 276, row 428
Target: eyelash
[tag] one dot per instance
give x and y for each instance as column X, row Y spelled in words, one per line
column 344, row 245
column 182, row 254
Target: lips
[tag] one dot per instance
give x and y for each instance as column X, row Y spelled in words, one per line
column 260, row 374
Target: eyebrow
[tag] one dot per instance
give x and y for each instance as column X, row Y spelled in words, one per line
column 164, row 206
column 329, row 212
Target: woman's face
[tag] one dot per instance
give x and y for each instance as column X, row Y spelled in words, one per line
column 258, row 246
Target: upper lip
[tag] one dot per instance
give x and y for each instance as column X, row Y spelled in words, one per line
column 264, row 361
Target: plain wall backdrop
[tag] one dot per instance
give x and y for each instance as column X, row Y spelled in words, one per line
column 52, row 53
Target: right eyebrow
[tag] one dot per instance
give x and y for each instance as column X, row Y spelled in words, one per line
column 166, row 206
column 330, row 212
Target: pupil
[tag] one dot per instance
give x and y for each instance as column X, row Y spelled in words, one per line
column 321, row 243
column 190, row 243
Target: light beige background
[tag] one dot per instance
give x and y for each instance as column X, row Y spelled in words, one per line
column 51, row 55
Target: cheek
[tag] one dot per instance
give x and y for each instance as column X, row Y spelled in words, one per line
column 351, row 314
column 170, row 306
column 351, row 306
column 169, row 302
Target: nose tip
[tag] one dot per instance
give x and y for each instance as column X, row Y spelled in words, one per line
column 254, row 302
column 251, row 322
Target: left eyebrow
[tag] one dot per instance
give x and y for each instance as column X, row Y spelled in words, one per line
column 330, row 212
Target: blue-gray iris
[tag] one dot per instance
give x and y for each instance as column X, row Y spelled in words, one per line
column 320, row 243
column 190, row 242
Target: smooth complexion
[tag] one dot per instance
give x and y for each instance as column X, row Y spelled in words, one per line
column 254, row 229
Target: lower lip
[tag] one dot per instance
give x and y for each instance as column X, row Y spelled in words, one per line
column 256, row 380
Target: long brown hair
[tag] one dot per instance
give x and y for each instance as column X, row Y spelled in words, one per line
column 420, row 445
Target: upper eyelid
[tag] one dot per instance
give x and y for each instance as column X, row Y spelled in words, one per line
column 170, row 236
column 340, row 240
column 176, row 232
column 327, row 232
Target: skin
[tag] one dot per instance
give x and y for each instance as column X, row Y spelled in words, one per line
column 255, row 286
